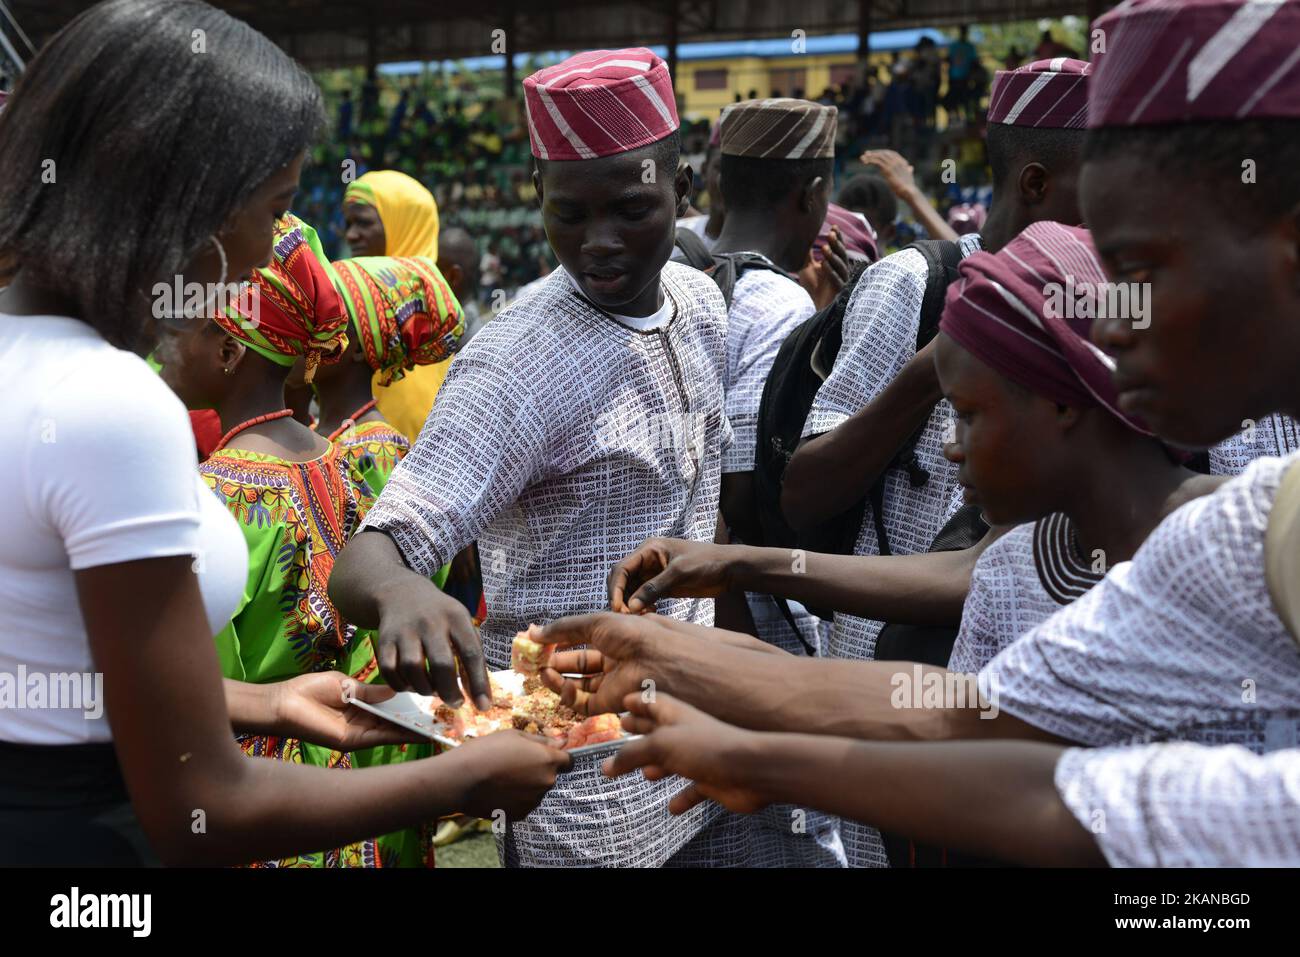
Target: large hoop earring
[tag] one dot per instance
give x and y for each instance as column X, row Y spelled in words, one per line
column 220, row 284
column 225, row 263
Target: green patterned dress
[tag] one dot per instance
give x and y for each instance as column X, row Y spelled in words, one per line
column 296, row 517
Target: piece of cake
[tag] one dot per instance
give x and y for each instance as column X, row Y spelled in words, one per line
column 527, row 656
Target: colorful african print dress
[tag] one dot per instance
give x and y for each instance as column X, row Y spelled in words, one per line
column 373, row 449
column 296, row 517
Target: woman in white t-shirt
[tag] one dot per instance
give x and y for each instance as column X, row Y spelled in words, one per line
column 134, row 166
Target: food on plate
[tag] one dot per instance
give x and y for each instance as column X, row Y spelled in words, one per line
column 528, row 656
column 538, row 710
column 597, row 729
column 468, row 722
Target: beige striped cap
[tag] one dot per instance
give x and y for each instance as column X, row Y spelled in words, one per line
column 780, row 128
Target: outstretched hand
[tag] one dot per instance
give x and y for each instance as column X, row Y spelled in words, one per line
column 679, row 739
column 896, row 170
column 427, row 643
column 667, row 568
column 316, row 708
column 627, row 653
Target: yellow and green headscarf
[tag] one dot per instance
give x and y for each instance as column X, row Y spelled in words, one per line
column 296, row 310
column 407, row 210
column 404, row 312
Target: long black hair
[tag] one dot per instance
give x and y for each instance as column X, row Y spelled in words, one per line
column 155, row 119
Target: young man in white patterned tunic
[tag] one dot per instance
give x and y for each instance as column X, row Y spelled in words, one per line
column 777, row 159
column 881, row 390
column 582, row 418
column 1186, row 641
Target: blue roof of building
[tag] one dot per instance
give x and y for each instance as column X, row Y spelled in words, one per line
column 886, row 41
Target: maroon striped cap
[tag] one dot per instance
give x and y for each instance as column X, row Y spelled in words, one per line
column 1184, row 61
column 1048, row 93
column 598, row 104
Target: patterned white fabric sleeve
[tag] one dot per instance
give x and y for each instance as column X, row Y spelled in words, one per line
column 879, row 337
column 484, row 442
column 1182, row 642
column 1275, row 434
column 1186, row 805
column 993, row 586
column 765, row 309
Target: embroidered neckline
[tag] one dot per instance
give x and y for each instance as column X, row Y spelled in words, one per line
column 1064, row 574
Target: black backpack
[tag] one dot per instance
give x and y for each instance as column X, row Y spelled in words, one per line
column 802, row 365
column 723, row 268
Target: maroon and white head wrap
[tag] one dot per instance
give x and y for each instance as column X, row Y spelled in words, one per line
column 967, row 218
column 1047, row 93
column 599, row 104
column 857, row 234
column 1009, row 310
column 1186, row 61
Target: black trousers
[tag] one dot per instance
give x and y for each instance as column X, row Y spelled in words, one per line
column 67, row 806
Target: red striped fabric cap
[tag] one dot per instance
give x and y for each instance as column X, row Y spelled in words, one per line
column 599, row 104
column 1047, row 93
column 1197, row 60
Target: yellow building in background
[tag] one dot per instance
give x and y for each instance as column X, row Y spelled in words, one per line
column 713, row 75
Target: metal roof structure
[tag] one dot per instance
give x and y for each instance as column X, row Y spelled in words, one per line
column 334, row 33
column 882, row 41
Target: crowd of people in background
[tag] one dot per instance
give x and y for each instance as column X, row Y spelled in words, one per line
column 470, row 147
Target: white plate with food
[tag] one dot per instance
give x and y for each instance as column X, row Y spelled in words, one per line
column 519, row 701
